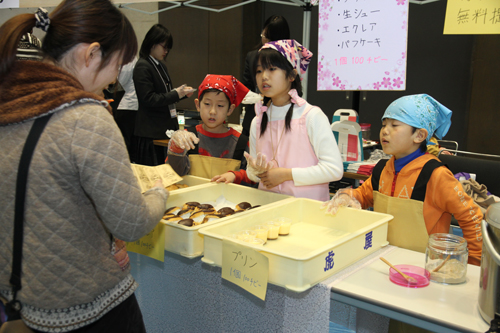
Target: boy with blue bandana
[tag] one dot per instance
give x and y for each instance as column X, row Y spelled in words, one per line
column 414, row 186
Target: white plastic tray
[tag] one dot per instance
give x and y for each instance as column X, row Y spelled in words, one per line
column 301, row 259
column 186, row 241
column 193, row 181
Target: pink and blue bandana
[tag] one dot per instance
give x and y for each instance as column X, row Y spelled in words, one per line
column 295, row 53
column 421, row 111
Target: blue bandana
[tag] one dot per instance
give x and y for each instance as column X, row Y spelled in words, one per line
column 421, row 111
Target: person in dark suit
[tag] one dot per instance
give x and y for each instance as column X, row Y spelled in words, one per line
column 156, row 96
column 275, row 28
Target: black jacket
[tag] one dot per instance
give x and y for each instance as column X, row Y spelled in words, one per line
column 249, row 81
column 153, row 117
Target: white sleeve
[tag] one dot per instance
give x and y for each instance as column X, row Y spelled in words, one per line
column 330, row 167
column 253, row 137
column 126, row 73
column 126, row 80
column 253, row 144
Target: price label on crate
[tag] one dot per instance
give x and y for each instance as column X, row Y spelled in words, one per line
column 245, row 267
column 152, row 245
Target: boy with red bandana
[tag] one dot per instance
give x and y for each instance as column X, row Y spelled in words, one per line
column 212, row 148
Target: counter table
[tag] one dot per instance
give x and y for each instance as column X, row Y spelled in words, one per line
column 186, row 295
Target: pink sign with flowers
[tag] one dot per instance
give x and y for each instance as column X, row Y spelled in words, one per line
column 362, row 44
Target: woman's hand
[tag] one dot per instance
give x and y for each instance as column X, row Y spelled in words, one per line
column 227, row 178
column 184, row 90
column 274, row 177
column 159, row 184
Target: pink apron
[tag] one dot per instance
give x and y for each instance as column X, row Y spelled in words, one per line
column 293, row 151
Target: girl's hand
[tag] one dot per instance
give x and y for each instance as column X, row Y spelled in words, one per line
column 258, row 165
column 274, row 177
column 227, row 178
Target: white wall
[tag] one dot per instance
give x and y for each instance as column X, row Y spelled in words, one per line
column 140, row 21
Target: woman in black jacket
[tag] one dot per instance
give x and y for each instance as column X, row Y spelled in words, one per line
column 156, row 96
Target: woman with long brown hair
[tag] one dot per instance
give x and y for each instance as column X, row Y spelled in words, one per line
column 81, row 192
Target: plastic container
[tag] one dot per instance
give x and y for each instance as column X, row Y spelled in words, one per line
column 285, row 223
column 243, row 234
column 318, row 246
column 365, row 131
column 193, row 180
column 446, row 258
column 273, row 230
column 261, row 231
column 188, row 181
column 420, row 276
column 186, row 241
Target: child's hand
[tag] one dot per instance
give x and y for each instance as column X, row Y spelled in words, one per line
column 274, row 177
column 258, row 165
column 227, row 178
column 343, row 198
column 184, row 139
column 445, row 152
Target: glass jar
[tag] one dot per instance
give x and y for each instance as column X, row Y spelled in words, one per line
column 446, row 258
column 365, row 131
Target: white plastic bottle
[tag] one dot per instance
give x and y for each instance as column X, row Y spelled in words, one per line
column 242, row 116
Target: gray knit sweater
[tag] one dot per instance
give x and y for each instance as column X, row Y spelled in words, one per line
column 81, row 191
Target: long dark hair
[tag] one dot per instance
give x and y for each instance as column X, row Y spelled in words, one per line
column 271, row 58
column 276, row 28
column 71, row 23
column 156, row 35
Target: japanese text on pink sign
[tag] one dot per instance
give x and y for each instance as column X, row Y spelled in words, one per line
column 362, row 44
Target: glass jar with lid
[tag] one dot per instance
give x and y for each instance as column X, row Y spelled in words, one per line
column 446, row 258
column 365, row 131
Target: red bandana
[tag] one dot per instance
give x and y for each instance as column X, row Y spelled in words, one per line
column 228, row 84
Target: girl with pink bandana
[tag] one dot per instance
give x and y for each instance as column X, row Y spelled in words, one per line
column 292, row 147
